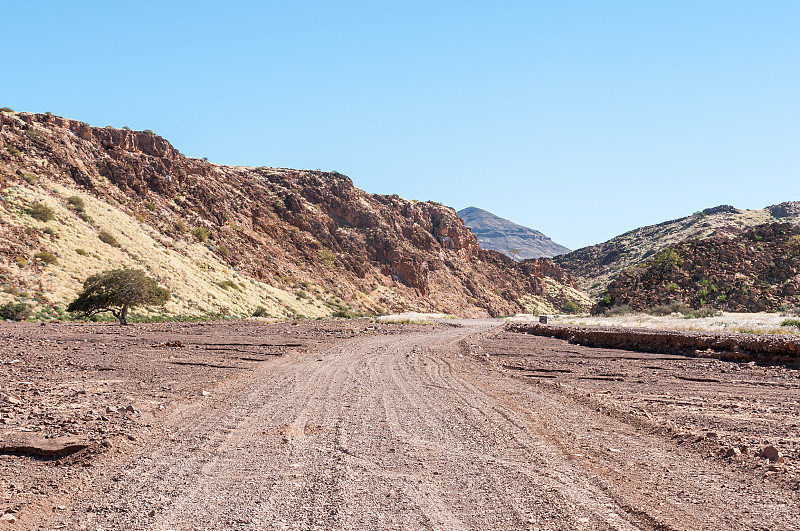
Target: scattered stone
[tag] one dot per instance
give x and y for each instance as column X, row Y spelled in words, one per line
column 8, row 518
column 30, row 444
column 130, row 409
column 771, row 453
column 732, row 452
column 11, row 399
column 204, row 393
column 111, row 409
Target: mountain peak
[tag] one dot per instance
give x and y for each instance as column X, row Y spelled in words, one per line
column 513, row 240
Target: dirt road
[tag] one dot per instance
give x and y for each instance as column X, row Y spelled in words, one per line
column 410, row 430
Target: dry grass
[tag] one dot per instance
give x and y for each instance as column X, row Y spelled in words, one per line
column 747, row 323
column 190, row 271
column 413, row 318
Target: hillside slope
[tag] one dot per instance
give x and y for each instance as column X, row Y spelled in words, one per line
column 594, row 267
column 755, row 271
column 502, row 235
column 229, row 239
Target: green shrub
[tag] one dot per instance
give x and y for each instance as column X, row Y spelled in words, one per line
column 793, row 245
column 15, row 312
column 150, row 206
column 622, row 309
column 201, row 233
column 47, row 258
column 571, row 307
column 668, row 260
column 6, row 109
column 139, row 218
column 260, row 312
column 224, row 251
column 21, row 262
column 117, row 291
column 81, row 252
column 706, row 311
column 722, row 298
column 85, row 217
column 29, row 177
column 49, row 231
column 791, row 322
column 107, row 237
column 328, row 258
column 181, row 226
column 41, row 212
column 14, row 151
column 669, row 308
column 672, row 287
column 76, row 203
column 225, row 284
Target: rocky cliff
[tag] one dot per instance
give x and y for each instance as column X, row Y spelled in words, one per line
column 230, row 239
column 594, row 267
column 754, row 271
column 502, row 235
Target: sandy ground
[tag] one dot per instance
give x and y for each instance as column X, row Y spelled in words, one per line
column 355, row 425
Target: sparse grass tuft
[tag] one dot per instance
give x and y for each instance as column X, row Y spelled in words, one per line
column 201, row 233
column 76, row 203
column 41, row 212
column 47, row 258
column 107, row 237
column 791, row 322
column 81, row 252
column 229, row 284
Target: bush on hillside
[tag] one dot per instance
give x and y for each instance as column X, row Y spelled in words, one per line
column 76, row 203
column 15, row 312
column 201, row 233
column 47, row 258
column 41, row 212
column 116, row 291
column 107, row 237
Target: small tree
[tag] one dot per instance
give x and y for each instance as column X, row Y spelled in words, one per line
column 116, row 291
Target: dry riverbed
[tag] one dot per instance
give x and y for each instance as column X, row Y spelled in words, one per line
column 360, row 425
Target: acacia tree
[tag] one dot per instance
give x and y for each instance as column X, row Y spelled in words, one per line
column 116, row 291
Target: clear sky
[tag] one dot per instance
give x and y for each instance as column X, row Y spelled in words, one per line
column 582, row 119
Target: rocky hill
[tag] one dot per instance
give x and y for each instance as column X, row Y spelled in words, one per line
column 753, row 271
column 594, row 267
column 515, row 241
column 229, row 239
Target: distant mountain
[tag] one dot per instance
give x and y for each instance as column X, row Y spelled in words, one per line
column 594, row 267
column 516, row 241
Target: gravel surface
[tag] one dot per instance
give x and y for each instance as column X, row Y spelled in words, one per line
column 353, row 425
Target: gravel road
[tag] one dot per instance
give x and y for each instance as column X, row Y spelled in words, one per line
column 413, row 430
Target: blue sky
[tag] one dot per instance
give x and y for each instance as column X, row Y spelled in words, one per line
column 582, row 119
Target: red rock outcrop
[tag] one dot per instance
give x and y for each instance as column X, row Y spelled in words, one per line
column 283, row 226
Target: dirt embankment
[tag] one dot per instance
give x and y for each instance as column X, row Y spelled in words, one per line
column 739, row 347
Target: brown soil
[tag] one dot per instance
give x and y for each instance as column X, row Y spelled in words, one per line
column 458, row 425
